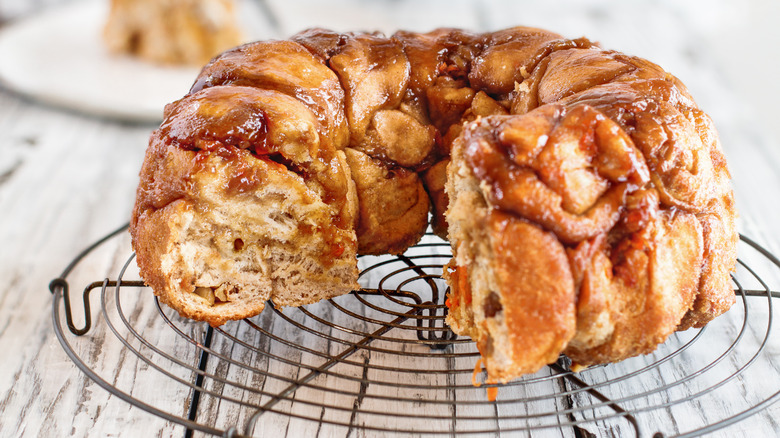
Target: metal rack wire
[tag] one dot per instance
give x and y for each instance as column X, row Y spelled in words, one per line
column 381, row 360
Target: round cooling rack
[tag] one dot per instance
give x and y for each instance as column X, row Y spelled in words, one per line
column 381, row 360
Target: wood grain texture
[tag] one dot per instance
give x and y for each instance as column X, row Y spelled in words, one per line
column 68, row 179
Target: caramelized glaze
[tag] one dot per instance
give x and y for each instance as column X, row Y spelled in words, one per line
column 595, row 168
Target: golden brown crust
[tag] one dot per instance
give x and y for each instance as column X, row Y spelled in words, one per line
column 716, row 294
column 434, row 180
column 629, row 306
column 539, row 309
column 587, row 196
column 387, row 224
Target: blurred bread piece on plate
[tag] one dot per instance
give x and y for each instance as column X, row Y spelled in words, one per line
column 172, row 31
column 58, row 57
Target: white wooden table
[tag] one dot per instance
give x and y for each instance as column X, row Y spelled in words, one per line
column 67, row 179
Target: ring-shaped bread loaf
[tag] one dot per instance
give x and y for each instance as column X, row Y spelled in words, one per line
column 585, row 195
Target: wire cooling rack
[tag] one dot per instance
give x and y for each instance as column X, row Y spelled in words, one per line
column 381, row 360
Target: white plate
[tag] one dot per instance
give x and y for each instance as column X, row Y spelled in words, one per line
column 58, row 57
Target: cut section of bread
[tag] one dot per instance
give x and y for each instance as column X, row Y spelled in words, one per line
column 220, row 229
